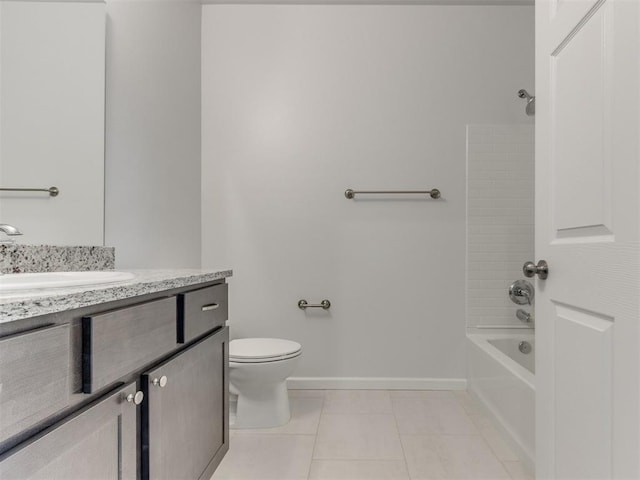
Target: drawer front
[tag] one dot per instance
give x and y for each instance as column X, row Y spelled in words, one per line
column 201, row 311
column 34, row 378
column 120, row 341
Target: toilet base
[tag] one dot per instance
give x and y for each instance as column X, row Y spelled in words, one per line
column 263, row 406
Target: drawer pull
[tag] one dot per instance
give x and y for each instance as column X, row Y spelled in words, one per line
column 160, row 382
column 136, row 398
column 211, row 306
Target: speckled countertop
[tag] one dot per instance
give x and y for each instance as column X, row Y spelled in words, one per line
column 18, row 258
column 31, row 303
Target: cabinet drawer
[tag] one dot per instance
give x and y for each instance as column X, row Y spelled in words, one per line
column 201, row 311
column 120, row 341
column 34, row 378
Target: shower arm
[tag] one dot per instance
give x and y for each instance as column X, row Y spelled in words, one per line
column 524, row 94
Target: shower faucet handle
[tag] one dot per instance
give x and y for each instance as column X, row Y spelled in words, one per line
column 521, row 292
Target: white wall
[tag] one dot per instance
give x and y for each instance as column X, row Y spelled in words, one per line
column 153, row 133
column 302, row 102
column 500, row 221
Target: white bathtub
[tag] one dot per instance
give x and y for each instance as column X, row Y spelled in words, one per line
column 502, row 379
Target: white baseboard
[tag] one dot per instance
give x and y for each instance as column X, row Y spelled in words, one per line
column 375, row 383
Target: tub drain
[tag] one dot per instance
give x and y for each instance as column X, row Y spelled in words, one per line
column 524, row 347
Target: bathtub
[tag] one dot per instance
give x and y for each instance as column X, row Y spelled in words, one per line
column 502, row 379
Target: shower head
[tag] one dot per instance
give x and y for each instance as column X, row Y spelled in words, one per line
column 530, row 109
column 531, row 102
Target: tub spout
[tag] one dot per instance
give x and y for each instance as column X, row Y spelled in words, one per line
column 524, row 316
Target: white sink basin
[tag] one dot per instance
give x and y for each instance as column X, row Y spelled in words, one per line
column 15, row 282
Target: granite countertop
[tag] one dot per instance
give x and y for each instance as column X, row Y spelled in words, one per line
column 31, row 303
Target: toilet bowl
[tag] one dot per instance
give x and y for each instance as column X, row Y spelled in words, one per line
column 258, row 371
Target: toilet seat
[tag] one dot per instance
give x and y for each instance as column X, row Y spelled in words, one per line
column 261, row 350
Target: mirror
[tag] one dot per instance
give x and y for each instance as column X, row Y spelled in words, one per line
column 52, row 87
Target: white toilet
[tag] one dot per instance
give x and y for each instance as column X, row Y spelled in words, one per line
column 258, row 371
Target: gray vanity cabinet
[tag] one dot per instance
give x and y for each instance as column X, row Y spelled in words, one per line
column 185, row 431
column 65, row 415
column 97, row 442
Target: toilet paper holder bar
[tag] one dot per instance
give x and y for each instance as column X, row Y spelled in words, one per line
column 324, row 304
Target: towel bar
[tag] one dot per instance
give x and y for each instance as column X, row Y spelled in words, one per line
column 433, row 193
column 53, row 191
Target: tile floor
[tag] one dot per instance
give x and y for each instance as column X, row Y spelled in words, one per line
column 373, row 434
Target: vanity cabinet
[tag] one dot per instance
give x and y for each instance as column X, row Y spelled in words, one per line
column 108, row 391
column 186, row 398
column 98, row 442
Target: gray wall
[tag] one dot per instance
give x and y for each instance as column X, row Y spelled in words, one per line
column 152, row 206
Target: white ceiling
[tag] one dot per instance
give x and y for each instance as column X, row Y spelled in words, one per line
column 370, row 2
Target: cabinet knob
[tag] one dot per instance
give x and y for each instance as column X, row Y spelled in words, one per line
column 135, row 398
column 160, row 382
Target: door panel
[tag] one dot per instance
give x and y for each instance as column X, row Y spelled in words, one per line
column 584, row 430
column 582, row 191
column 183, row 434
column 566, row 15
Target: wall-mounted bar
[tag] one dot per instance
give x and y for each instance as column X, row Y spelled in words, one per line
column 433, row 193
column 52, row 191
column 324, row 304
column 492, row 327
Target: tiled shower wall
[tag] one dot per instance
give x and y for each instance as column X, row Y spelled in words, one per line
column 500, row 219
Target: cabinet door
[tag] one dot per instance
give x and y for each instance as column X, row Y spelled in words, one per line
column 98, row 442
column 185, row 426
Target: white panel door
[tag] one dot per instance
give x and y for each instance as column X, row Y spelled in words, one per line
column 587, row 229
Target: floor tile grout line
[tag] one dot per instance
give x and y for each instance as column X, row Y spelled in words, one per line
column 486, row 440
column 315, row 440
column 478, row 434
column 404, row 455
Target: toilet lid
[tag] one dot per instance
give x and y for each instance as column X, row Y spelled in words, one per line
column 261, row 349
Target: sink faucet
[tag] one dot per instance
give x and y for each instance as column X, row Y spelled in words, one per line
column 9, row 230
